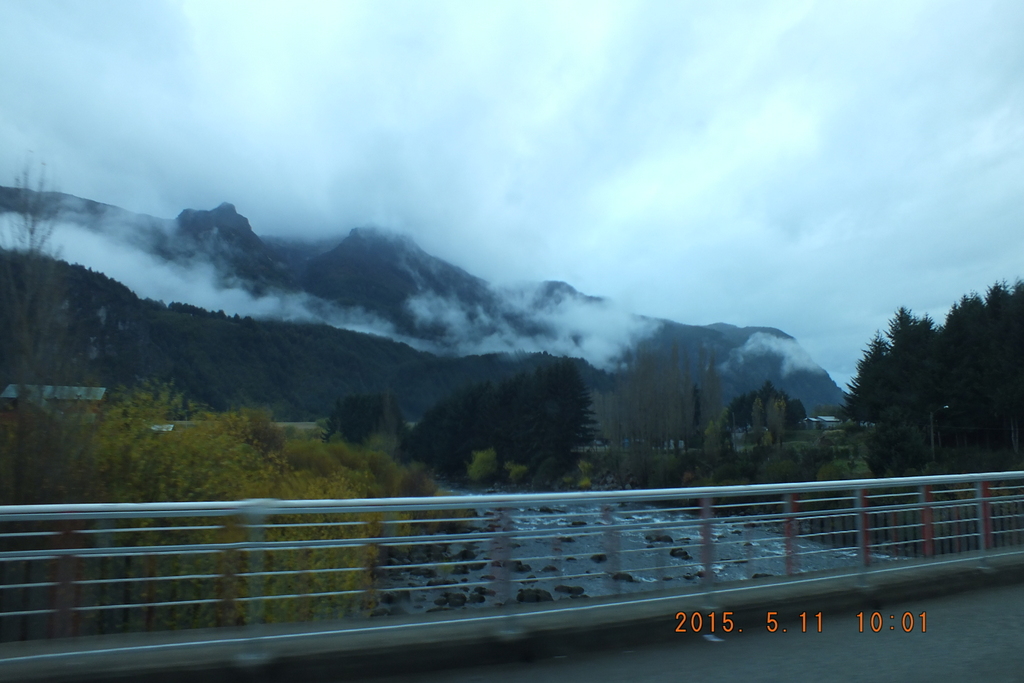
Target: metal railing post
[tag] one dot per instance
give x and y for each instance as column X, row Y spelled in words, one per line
column 611, row 548
column 707, row 549
column 255, row 515
column 64, row 588
column 501, row 556
column 105, row 621
column 791, row 508
column 927, row 523
column 984, row 516
column 748, row 547
column 380, row 559
column 556, row 552
column 863, row 528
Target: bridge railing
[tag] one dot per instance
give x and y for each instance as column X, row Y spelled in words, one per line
column 95, row 569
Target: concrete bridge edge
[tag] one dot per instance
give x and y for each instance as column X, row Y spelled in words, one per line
column 337, row 651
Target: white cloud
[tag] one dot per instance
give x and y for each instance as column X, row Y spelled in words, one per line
column 598, row 331
column 700, row 161
column 794, row 358
column 198, row 283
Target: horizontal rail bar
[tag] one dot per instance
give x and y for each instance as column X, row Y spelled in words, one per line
column 222, row 508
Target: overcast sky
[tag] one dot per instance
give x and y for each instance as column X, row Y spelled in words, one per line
column 804, row 165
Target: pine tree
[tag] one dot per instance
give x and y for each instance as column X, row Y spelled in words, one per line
column 867, row 395
column 567, row 418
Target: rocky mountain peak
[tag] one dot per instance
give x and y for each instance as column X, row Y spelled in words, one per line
column 554, row 292
column 225, row 237
column 223, row 220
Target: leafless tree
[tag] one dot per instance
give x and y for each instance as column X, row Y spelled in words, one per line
column 35, row 322
column 42, row 442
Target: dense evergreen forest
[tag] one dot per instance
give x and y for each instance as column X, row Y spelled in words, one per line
column 359, row 416
column 535, row 420
column 945, row 397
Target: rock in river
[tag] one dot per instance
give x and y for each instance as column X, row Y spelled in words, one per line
column 534, row 595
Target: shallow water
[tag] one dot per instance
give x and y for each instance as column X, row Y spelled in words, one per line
column 625, row 548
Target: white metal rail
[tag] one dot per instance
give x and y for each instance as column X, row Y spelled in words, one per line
column 95, row 569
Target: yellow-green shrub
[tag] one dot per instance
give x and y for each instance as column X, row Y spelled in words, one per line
column 484, row 467
column 216, row 459
column 516, row 472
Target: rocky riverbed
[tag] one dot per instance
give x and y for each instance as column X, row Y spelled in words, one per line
column 545, row 553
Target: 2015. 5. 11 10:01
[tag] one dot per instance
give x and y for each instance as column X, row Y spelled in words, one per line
column 876, row 622
column 723, row 622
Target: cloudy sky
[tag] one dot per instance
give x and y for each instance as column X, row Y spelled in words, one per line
column 804, row 165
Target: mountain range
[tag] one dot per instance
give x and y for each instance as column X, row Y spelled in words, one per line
column 379, row 284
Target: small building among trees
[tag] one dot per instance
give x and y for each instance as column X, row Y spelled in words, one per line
column 48, row 397
column 821, row 422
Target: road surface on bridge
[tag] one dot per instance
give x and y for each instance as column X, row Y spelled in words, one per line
column 972, row 636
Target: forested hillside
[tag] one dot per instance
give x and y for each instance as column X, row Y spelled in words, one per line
column 295, row 370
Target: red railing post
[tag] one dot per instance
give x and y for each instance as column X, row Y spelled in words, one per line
column 707, row 554
column 927, row 523
column 984, row 516
column 62, row 621
column 501, row 555
column 791, row 532
column 863, row 527
column 956, row 525
column 612, row 547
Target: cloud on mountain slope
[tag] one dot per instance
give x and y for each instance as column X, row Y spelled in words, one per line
column 598, row 331
column 794, row 358
column 198, row 282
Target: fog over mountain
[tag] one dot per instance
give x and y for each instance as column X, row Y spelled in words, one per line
column 382, row 283
column 809, row 165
